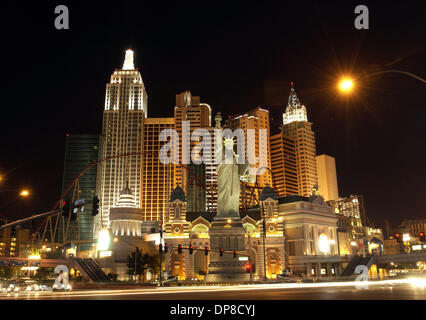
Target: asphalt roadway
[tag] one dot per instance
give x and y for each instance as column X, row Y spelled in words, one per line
column 383, row 290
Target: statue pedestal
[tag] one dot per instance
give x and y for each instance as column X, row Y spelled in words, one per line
column 229, row 236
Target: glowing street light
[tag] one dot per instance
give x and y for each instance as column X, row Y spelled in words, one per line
column 346, row 85
column 24, row 193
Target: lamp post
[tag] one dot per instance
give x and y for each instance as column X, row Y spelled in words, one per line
column 248, row 234
column 347, row 84
column 263, row 239
column 161, row 253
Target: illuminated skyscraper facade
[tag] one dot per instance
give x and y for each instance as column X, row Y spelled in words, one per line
column 297, row 127
column 283, row 165
column 157, row 178
column 122, row 134
column 255, row 119
column 188, row 108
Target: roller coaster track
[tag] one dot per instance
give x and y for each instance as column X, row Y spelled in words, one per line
column 192, row 178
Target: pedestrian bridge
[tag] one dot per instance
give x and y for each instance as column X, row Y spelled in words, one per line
column 403, row 257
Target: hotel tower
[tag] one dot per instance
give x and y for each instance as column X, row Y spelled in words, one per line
column 297, row 128
column 122, row 134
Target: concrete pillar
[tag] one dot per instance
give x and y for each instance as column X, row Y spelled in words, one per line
column 308, row 270
column 316, row 245
column 318, row 269
column 329, row 270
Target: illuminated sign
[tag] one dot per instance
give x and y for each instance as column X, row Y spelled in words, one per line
column 243, row 258
column 103, row 254
column 417, row 247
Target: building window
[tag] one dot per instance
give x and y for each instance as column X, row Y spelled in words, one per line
column 177, row 213
column 269, row 211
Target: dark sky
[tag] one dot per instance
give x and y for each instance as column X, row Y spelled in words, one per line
column 235, row 55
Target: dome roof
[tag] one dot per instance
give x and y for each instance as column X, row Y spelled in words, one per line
column 178, row 194
column 126, row 198
column 268, row 192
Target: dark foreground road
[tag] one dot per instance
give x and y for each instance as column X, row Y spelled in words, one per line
column 331, row 291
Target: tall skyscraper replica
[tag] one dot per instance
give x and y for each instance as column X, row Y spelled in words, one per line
column 327, row 177
column 297, row 127
column 122, row 134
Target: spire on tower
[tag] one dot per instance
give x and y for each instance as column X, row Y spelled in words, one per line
column 128, row 60
column 293, row 100
column 295, row 111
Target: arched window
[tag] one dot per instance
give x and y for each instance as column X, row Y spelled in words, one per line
column 269, row 210
column 177, row 213
column 201, row 230
column 249, row 228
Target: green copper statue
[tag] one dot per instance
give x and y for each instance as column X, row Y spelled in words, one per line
column 228, row 184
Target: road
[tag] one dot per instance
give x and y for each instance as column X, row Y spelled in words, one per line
column 316, row 291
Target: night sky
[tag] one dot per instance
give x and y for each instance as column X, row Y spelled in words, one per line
column 235, row 56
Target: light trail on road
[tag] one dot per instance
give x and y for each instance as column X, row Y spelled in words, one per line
column 204, row 289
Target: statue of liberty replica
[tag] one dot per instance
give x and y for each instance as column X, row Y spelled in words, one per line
column 226, row 230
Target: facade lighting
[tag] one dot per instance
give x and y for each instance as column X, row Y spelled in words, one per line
column 323, row 243
column 104, row 239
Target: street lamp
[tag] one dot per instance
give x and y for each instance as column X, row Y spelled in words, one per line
column 24, row 193
column 346, row 84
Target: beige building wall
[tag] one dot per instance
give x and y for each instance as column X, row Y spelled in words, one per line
column 327, row 177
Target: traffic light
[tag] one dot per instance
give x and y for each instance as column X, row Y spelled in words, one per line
column 179, row 248
column 235, row 253
column 191, row 249
column 221, row 252
column 206, row 251
column 422, row 236
column 166, row 247
column 95, row 206
column 65, row 208
column 160, row 248
column 398, row 236
column 248, row 267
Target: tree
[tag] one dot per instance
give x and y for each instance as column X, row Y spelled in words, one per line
column 135, row 263
column 44, row 274
column 143, row 263
column 153, row 263
column 7, row 272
